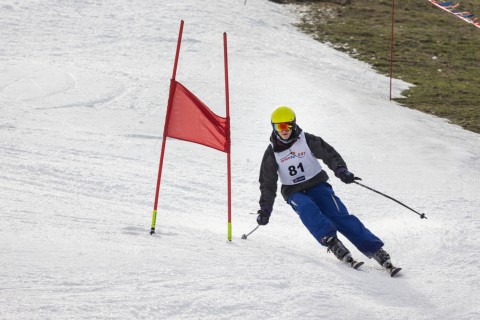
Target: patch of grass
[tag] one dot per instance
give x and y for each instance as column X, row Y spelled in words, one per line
column 435, row 51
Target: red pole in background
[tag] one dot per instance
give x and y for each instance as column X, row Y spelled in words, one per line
column 391, row 47
column 165, row 130
column 229, row 175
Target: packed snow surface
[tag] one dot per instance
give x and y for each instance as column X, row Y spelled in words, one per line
column 83, row 94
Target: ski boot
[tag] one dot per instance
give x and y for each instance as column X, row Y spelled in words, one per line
column 338, row 249
column 383, row 258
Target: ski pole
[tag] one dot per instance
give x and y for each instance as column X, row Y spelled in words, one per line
column 422, row 215
column 244, row 237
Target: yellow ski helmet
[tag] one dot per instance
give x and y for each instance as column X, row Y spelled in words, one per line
column 283, row 115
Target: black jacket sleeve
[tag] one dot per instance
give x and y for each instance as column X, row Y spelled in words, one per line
column 268, row 178
column 324, row 152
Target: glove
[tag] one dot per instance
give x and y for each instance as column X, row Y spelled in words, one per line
column 346, row 176
column 264, row 215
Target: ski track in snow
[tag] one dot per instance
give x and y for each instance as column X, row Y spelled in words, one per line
column 83, row 93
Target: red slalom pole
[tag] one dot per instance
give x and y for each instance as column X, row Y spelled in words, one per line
column 391, row 48
column 227, row 102
column 165, row 129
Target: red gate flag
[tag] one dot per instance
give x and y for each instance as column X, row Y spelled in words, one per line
column 190, row 119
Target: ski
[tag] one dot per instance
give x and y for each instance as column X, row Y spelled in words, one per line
column 356, row 264
column 353, row 263
column 391, row 269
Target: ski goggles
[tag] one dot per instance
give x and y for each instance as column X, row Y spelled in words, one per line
column 283, row 126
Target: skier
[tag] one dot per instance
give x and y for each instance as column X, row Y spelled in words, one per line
column 292, row 155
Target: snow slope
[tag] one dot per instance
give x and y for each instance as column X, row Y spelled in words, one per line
column 83, row 92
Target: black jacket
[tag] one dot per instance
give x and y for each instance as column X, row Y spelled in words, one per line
column 269, row 167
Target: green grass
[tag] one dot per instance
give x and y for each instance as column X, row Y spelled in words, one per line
column 435, row 51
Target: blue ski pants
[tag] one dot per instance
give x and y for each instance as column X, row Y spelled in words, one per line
column 323, row 213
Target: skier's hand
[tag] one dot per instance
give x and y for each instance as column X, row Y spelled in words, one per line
column 264, row 215
column 346, row 176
